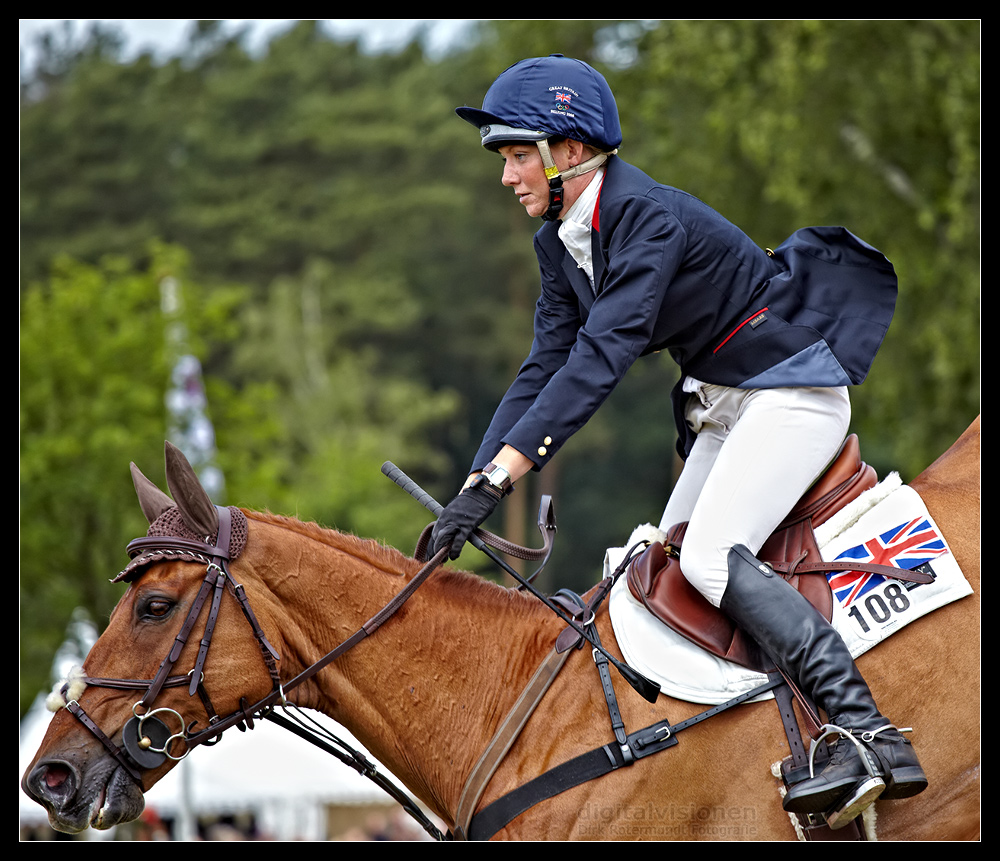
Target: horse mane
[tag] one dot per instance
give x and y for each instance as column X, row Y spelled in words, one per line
column 368, row 550
column 390, row 560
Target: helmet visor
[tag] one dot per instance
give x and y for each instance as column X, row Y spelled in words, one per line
column 496, row 135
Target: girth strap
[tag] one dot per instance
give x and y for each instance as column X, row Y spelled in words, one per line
column 533, row 693
column 596, row 763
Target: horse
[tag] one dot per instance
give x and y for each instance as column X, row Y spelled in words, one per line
column 426, row 688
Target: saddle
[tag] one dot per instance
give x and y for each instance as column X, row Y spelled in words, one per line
column 655, row 577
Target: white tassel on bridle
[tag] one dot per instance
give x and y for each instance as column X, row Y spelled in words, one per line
column 69, row 689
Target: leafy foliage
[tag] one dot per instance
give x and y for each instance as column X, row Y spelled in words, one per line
column 93, row 374
column 359, row 286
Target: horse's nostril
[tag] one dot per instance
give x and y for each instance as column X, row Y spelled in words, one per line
column 53, row 780
column 56, row 775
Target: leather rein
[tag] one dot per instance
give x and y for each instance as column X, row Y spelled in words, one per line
column 146, row 739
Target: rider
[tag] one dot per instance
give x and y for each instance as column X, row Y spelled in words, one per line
column 767, row 343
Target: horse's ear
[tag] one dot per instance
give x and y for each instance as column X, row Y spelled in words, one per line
column 195, row 505
column 152, row 500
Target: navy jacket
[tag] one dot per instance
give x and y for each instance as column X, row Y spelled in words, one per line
column 672, row 274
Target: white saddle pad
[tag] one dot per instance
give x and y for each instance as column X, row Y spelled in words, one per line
column 888, row 524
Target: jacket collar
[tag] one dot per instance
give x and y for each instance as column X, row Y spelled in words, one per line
column 548, row 237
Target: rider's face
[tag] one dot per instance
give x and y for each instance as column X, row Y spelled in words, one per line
column 524, row 173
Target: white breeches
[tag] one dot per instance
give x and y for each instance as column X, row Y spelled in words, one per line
column 757, row 452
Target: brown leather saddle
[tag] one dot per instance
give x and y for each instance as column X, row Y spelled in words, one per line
column 655, row 577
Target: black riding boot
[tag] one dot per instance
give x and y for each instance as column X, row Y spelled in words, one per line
column 871, row 759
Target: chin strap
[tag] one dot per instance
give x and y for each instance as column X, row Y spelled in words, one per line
column 556, row 179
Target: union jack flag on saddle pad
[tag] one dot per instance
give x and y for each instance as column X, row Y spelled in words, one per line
column 907, row 546
column 897, row 530
column 889, row 526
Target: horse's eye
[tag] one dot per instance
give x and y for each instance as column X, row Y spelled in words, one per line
column 156, row 608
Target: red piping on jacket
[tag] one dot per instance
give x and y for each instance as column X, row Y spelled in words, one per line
column 730, row 335
column 595, row 222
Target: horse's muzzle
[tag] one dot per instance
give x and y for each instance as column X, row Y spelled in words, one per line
column 74, row 805
column 54, row 784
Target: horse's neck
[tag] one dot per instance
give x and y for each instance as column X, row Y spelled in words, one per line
column 950, row 488
column 425, row 691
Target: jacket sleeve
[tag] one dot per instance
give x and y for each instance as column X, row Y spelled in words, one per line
column 579, row 358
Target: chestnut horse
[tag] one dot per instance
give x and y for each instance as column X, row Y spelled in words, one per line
column 425, row 692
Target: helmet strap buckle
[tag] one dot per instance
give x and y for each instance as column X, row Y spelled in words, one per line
column 555, row 200
column 555, row 182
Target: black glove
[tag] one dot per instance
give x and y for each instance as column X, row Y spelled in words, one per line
column 462, row 516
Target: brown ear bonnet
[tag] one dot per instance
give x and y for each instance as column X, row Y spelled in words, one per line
column 171, row 524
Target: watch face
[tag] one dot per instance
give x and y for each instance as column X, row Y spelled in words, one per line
column 498, row 476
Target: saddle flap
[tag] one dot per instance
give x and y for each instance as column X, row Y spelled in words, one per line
column 655, row 579
column 796, row 542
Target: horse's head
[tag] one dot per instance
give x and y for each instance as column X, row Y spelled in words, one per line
column 183, row 657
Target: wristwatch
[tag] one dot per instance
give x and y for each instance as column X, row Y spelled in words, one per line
column 499, row 478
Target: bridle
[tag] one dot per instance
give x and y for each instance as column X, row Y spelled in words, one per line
column 147, row 740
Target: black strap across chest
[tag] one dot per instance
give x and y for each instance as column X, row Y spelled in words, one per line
column 596, row 763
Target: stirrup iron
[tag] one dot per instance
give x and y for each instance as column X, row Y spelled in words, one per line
column 866, row 791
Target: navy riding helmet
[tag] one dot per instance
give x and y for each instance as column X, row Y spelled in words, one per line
column 546, row 97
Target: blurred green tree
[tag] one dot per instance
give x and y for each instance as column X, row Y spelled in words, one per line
column 362, row 286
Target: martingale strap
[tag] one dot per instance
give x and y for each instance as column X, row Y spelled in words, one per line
column 525, row 705
column 626, row 750
column 572, row 773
